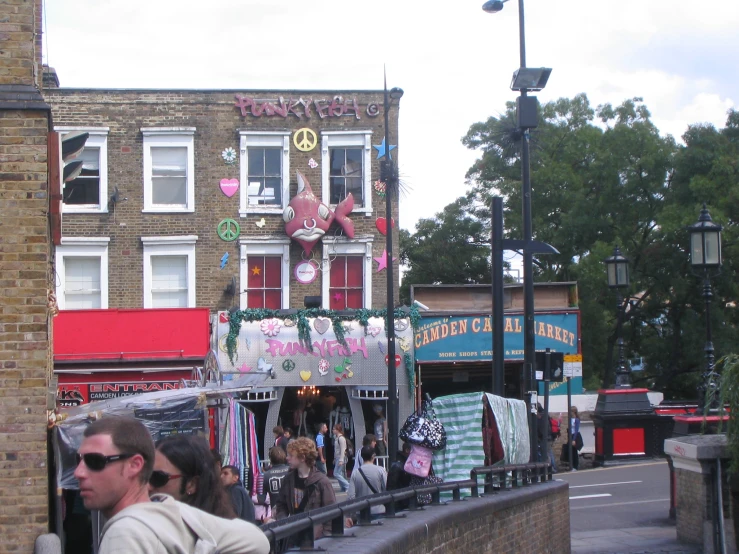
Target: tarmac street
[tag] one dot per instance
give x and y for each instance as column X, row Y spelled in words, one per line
column 623, row 509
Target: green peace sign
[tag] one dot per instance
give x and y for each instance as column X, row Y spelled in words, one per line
column 228, row 230
column 288, row 365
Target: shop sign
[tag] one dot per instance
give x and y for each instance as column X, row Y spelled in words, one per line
column 74, row 394
column 440, row 339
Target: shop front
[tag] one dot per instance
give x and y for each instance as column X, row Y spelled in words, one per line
column 106, row 354
column 317, row 375
column 454, row 352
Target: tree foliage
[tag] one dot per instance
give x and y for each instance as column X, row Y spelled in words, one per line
column 603, row 177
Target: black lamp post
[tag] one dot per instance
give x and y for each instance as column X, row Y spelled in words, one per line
column 526, row 79
column 389, row 174
column 705, row 258
column 618, row 278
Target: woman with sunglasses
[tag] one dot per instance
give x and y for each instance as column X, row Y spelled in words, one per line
column 185, row 470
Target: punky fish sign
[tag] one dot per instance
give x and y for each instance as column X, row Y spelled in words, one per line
column 307, row 218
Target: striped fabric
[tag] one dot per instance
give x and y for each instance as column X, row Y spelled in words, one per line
column 513, row 428
column 461, row 415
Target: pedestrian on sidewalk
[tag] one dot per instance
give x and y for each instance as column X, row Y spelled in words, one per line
column 575, row 438
column 340, row 458
column 368, row 479
column 321, row 431
column 240, row 499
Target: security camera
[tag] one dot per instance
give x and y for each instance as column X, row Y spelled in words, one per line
column 422, row 306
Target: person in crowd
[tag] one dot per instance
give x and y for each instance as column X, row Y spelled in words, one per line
column 240, row 500
column 368, row 479
column 321, row 431
column 114, row 465
column 280, row 439
column 304, row 488
column 276, row 472
column 546, row 439
column 287, row 435
column 573, row 436
column 184, row 469
column 398, row 477
column 368, row 440
column 340, row 457
column 217, row 459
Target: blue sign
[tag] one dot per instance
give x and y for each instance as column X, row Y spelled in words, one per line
column 470, row 338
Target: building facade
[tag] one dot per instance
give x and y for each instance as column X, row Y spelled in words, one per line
column 185, row 199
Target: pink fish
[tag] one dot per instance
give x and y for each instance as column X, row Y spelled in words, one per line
column 307, row 218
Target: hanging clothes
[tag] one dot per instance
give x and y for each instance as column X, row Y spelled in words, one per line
column 239, row 446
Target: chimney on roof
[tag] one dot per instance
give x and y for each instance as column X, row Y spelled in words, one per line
column 50, row 79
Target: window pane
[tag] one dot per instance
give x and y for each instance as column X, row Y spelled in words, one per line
column 172, row 299
column 255, row 299
column 256, row 162
column 169, row 160
column 337, row 191
column 273, row 299
column 272, row 272
column 169, row 190
column 354, row 157
column 272, row 193
column 354, row 299
column 354, row 276
column 338, row 159
column 82, row 283
column 337, row 299
column 273, row 162
column 338, row 272
column 169, row 272
column 255, row 267
column 85, row 189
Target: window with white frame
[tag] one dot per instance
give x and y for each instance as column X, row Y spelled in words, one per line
column 88, row 192
column 265, row 273
column 346, row 167
column 264, row 171
column 169, row 169
column 169, row 272
column 349, row 276
column 82, row 273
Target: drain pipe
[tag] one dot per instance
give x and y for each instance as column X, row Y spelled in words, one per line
column 719, row 535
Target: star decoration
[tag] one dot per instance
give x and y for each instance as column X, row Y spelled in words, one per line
column 381, row 149
column 382, row 261
column 244, row 368
column 255, row 270
column 338, row 296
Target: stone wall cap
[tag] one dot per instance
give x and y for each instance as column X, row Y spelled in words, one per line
column 697, row 447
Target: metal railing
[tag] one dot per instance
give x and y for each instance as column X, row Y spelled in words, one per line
column 297, row 530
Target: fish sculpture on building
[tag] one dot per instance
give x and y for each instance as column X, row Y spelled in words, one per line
column 307, row 218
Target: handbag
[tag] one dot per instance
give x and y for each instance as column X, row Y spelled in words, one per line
column 423, row 429
column 419, row 461
column 578, row 442
column 424, row 499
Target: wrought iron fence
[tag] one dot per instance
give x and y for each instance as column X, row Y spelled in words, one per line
column 297, row 530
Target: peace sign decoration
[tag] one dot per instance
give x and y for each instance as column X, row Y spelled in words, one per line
column 305, row 139
column 228, row 230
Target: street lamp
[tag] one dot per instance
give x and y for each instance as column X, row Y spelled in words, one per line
column 617, row 269
column 705, row 257
column 389, row 175
column 527, row 118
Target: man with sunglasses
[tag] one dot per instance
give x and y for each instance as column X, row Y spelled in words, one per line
column 114, row 465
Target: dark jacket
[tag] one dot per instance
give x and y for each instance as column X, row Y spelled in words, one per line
column 399, row 478
column 321, row 494
column 243, row 506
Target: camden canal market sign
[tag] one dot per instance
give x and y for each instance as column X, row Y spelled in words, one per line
column 464, row 339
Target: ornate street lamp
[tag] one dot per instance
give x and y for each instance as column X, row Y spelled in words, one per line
column 524, row 80
column 705, row 258
column 617, row 269
column 389, row 174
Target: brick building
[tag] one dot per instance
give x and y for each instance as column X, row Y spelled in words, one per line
column 140, row 224
column 25, row 251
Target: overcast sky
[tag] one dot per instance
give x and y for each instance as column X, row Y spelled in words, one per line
column 453, row 60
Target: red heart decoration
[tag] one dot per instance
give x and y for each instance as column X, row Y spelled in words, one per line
column 397, row 360
column 223, row 317
column 338, row 379
column 381, row 225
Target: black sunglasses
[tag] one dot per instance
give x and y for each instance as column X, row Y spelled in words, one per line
column 97, row 462
column 160, row 478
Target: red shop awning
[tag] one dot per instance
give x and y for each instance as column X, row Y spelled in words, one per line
column 131, row 335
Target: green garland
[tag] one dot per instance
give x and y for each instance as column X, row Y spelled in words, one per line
column 337, row 322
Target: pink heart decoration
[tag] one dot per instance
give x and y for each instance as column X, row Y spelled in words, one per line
column 223, row 317
column 229, row 186
column 374, row 330
column 381, row 225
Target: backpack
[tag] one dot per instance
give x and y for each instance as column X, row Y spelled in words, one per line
column 349, row 447
column 554, row 427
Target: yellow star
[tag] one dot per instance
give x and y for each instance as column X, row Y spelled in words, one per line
column 255, row 270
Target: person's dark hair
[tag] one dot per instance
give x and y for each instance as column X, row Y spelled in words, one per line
column 277, row 456
column 190, row 454
column 368, row 439
column 128, row 435
column 278, row 430
column 288, row 430
column 217, row 458
column 234, row 470
column 406, row 448
column 319, row 425
column 367, row 453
